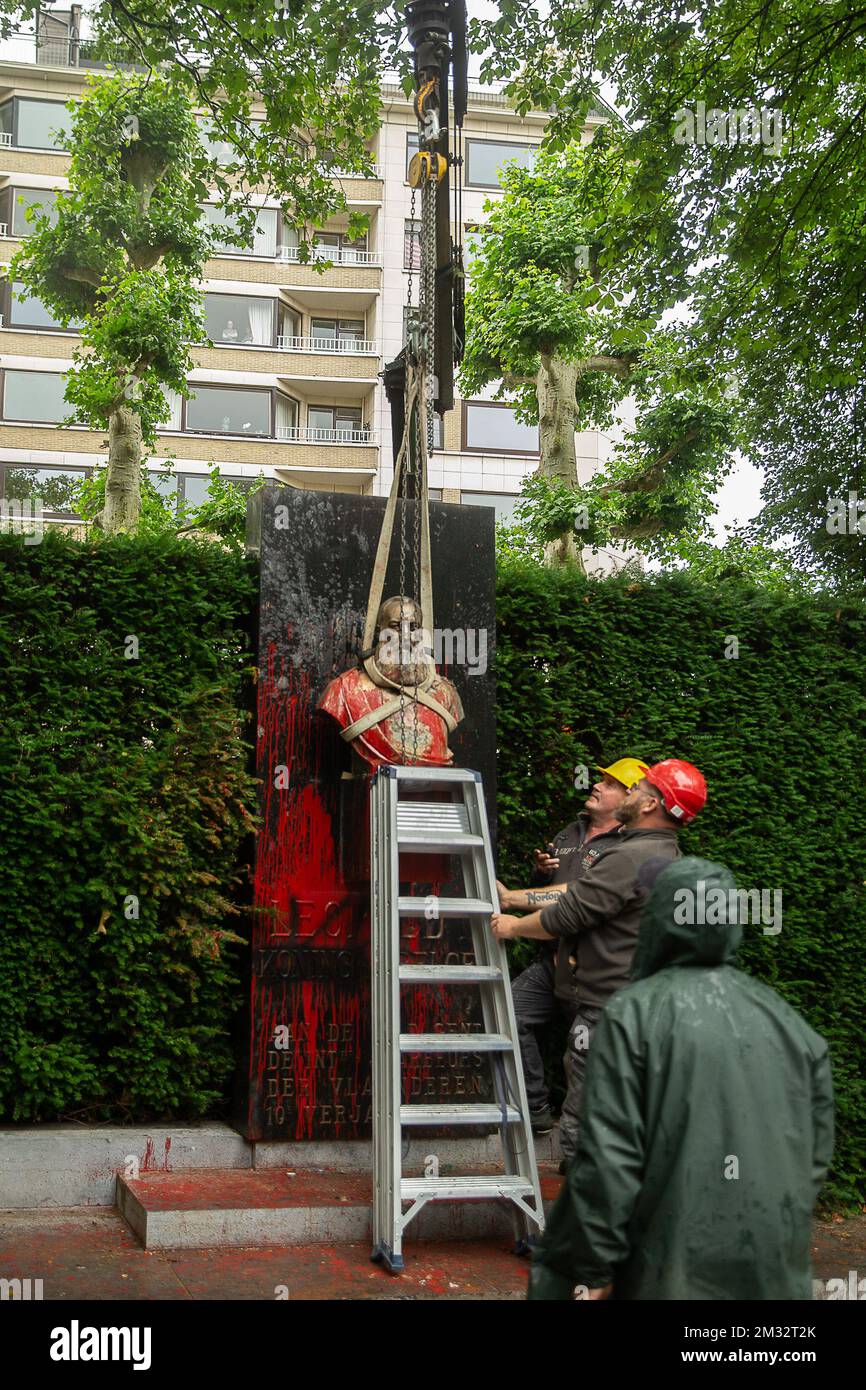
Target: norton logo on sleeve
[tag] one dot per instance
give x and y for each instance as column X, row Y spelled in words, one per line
column 76, row 1343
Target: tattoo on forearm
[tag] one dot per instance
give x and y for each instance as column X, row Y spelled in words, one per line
column 533, row 898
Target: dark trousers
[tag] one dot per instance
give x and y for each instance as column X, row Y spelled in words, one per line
column 535, row 1006
column 579, row 1038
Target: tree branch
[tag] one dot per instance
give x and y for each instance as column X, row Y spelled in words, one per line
column 614, row 366
column 85, row 277
column 510, row 381
column 652, row 476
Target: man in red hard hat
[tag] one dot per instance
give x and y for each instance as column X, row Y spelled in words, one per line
column 601, row 910
column 544, row 991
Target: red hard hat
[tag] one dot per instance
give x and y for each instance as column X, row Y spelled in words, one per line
column 682, row 785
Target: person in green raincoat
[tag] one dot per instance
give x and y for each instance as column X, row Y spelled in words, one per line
column 707, row 1121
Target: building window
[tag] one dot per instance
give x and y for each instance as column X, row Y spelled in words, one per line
column 344, row 420
column 165, row 484
column 229, row 410
column 411, row 244
column 193, row 487
column 234, row 318
column 23, row 310
column 412, row 148
column 34, row 397
column 340, row 247
column 287, row 416
column 34, row 124
column 217, row 148
column 14, row 203
column 485, row 158
column 51, row 488
column 503, row 503
column 495, row 429
column 228, row 240
column 328, row 334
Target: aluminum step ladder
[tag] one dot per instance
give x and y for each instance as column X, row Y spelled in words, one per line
column 456, row 826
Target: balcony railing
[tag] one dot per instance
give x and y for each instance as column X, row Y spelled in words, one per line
column 309, row 434
column 5, row 137
column 4, row 229
column 355, row 345
column 374, row 173
column 337, row 255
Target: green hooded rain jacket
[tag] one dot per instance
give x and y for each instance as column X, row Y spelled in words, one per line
column 707, row 1124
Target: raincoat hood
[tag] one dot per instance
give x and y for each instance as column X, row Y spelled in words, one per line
column 685, row 921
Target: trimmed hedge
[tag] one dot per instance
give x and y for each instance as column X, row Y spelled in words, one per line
column 124, row 801
column 588, row 671
column 128, row 777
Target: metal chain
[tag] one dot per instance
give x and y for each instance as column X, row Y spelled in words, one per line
column 428, row 281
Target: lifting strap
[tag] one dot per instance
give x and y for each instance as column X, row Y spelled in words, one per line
column 416, row 410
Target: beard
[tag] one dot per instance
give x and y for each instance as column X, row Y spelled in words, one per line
column 407, row 673
column 628, row 812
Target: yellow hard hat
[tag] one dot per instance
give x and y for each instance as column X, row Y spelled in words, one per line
column 626, row 770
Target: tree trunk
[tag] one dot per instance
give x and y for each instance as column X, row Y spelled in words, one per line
column 557, row 420
column 557, row 417
column 123, row 484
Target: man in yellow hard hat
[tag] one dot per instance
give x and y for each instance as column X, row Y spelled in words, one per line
column 546, row 988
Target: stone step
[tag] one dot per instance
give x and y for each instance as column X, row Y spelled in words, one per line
column 213, row 1207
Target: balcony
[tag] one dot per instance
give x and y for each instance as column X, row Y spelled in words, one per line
column 309, row 434
column 329, row 255
column 358, row 346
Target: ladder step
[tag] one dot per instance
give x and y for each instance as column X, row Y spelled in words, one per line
column 455, row 1042
column 432, row 776
column 465, row 1188
column 448, row 974
column 446, row 907
column 457, row 1114
column 434, row 840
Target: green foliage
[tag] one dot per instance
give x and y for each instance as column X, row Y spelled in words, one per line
column 222, row 515
column 122, row 777
column 127, row 777
column 126, row 248
column 619, row 666
column 770, row 219
column 315, row 67
column 537, row 283
column 564, row 314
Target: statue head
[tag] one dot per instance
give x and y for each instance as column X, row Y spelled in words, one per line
column 403, row 648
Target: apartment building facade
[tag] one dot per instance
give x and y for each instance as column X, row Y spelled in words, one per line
column 290, row 388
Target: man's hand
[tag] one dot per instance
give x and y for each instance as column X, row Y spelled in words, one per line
column 594, row 1295
column 504, row 896
column 505, row 928
column 544, row 862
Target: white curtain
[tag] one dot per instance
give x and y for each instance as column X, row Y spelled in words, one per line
column 286, row 413
column 261, row 312
column 265, row 238
column 172, row 420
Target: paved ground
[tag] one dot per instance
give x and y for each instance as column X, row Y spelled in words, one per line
column 90, row 1254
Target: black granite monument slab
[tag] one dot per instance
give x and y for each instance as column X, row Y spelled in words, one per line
column 305, row 1071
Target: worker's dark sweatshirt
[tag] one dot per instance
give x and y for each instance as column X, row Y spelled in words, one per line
column 571, row 848
column 601, row 909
